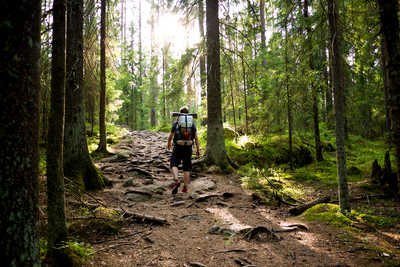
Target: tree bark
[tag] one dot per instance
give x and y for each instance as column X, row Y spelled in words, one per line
column 57, row 230
column 140, row 93
column 102, row 148
column 203, row 75
column 77, row 161
column 215, row 149
column 19, row 135
column 386, row 83
column 245, row 94
column 338, row 86
column 263, row 38
column 314, row 92
column 289, row 100
column 388, row 12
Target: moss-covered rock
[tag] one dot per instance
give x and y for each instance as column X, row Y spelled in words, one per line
column 230, row 133
column 329, row 214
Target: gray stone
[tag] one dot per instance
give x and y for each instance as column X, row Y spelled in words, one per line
column 123, row 154
column 203, row 184
column 178, row 203
column 152, row 189
column 108, row 169
column 138, row 196
column 129, row 182
column 148, row 181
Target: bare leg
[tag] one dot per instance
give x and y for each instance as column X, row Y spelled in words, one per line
column 186, row 178
column 175, row 173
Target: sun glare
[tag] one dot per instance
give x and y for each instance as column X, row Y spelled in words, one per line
column 171, row 30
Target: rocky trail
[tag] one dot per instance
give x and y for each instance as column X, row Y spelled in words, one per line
column 216, row 223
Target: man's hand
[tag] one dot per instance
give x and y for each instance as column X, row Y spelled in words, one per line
column 198, row 153
column 169, row 147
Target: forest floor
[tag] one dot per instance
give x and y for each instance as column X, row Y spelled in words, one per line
column 217, row 223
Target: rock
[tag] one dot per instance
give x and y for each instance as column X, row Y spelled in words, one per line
column 203, row 184
column 109, row 159
column 213, row 169
column 138, row 196
column 230, row 133
column 178, row 203
column 148, row 181
column 123, row 154
column 152, row 189
column 195, row 217
column 129, row 182
column 194, row 195
column 108, row 169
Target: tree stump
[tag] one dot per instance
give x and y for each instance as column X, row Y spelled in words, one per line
column 376, row 174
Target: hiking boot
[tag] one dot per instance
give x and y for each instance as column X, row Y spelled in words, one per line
column 184, row 189
column 176, row 186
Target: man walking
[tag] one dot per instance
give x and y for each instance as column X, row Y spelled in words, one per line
column 183, row 132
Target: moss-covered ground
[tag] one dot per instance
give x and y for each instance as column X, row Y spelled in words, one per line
column 265, row 169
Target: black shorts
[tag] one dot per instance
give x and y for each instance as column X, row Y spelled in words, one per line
column 182, row 154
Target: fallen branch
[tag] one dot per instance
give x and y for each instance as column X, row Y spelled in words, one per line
column 301, row 208
column 292, row 228
column 196, row 264
column 145, row 218
column 280, row 198
column 231, row 250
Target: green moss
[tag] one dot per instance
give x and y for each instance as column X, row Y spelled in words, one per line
column 377, row 221
column 329, row 214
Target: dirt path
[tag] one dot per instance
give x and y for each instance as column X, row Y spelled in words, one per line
column 209, row 225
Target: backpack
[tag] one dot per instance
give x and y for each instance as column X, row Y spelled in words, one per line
column 184, row 130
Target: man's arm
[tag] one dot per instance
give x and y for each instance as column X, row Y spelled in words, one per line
column 196, row 141
column 171, row 135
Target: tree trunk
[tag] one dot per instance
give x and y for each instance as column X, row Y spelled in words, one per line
column 245, row 94
column 317, row 138
column 77, row 162
column 203, row 75
column 215, row 150
column 102, row 148
column 289, row 100
column 153, row 69
column 19, row 137
column 263, row 39
column 57, row 230
column 140, row 93
column 388, row 12
column 386, row 83
column 338, row 86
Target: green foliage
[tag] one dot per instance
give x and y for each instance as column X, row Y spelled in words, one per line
column 269, row 183
column 79, row 249
column 43, row 248
column 166, row 128
column 263, row 152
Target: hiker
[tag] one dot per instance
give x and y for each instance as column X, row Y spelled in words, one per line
column 183, row 132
